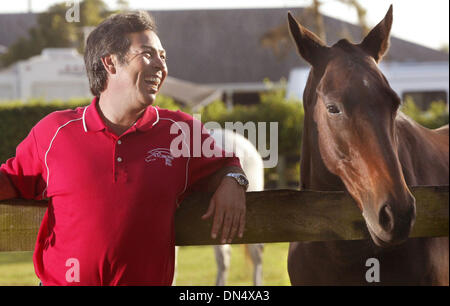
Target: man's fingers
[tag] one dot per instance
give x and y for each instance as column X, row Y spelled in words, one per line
column 226, row 227
column 241, row 224
column 234, row 227
column 217, row 223
column 210, row 210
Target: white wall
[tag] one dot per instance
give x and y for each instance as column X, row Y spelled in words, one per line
column 55, row 74
column 8, row 84
column 417, row 77
column 403, row 77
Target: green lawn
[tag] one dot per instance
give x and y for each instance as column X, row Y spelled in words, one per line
column 17, row 269
column 196, row 266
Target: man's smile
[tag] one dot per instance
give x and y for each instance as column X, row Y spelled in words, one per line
column 153, row 82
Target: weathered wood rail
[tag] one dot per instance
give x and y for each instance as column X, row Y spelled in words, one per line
column 272, row 216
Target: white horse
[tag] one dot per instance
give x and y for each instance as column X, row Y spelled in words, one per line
column 252, row 165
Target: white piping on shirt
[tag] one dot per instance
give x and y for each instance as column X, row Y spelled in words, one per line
column 157, row 116
column 48, row 150
column 84, row 118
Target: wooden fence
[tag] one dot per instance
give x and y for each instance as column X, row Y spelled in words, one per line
column 272, row 216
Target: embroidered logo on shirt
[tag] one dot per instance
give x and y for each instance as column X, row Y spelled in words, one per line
column 160, row 153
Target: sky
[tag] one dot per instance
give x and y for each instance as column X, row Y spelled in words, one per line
column 419, row 21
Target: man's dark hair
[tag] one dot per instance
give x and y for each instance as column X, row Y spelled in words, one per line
column 110, row 38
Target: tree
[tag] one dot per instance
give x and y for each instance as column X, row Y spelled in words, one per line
column 444, row 48
column 54, row 31
column 123, row 5
column 278, row 38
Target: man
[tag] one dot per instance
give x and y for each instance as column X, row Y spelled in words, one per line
column 109, row 171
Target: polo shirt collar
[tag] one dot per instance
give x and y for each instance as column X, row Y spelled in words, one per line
column 93, row 122
column 148, row 119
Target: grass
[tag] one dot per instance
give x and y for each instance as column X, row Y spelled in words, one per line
column 16, row 269
column 196, row 267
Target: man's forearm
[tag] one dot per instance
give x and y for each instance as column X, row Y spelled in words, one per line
column 7, row 190
column 212, row 182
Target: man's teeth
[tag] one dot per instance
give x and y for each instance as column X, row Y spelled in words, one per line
column 153, row 80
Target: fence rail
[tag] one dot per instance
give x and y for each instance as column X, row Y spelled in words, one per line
column 272, row 216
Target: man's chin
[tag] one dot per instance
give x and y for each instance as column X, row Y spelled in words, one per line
column 151, row 99
column 148, row 99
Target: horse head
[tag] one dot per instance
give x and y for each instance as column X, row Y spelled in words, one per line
column 354, row 109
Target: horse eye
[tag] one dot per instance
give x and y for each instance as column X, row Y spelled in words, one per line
column 333, row 109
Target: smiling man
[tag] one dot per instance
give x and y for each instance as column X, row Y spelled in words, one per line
column 107, row 170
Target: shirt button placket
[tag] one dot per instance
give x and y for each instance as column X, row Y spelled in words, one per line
column 120, row 173
column 119, row 159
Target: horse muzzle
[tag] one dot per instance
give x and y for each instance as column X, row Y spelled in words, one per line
column 393, row 222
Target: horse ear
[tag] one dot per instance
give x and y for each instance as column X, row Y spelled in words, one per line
column 310, row 47
column 376, row 43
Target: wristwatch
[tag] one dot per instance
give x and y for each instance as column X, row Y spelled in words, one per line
column 240, row 179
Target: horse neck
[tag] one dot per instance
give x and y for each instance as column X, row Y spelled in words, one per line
column 313, row 173
column 431, row 166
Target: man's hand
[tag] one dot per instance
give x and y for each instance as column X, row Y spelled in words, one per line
column 228, row 207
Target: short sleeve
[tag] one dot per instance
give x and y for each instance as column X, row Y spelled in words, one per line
column 25, row 170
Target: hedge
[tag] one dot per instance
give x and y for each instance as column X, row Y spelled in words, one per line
column 17, row 118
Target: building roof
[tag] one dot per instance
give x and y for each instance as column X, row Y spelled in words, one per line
column 14, row 26
column 188, row 93
column 224, row 46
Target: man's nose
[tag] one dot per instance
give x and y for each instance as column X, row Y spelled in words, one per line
column 159, row 63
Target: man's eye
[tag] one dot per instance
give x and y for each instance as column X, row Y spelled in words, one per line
column 147, row 54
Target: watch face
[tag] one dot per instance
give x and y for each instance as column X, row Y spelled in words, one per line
column 242, row 180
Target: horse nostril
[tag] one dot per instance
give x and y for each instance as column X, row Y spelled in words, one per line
column 386, row 218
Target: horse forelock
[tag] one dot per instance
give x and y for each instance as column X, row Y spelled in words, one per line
column 344, row 44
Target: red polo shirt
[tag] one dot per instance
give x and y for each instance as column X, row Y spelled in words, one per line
column 111, row 199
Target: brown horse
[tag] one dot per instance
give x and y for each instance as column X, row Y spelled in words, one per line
column 356, row 139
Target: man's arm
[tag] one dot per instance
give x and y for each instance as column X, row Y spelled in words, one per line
column 227, row 204
column 212, row 182
column 7, row 190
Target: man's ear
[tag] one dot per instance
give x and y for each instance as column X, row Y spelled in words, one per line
column 109, row 62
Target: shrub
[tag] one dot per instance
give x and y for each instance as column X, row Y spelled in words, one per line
column 274, row 107
column 435, row 116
